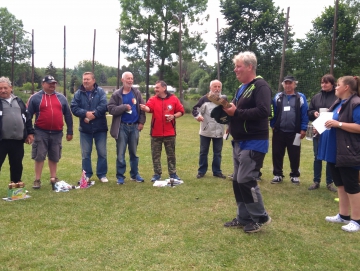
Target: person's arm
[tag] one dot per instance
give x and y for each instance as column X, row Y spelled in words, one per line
column 197, row 107
column 75, row 106
column 101, row 107
column 67, row 116
column 179, row 109
column 304, row 116
column 273, row 120
column 312, row 109
column 28, row 123
column 353, row 127
column 115, row 105
column 142, row 115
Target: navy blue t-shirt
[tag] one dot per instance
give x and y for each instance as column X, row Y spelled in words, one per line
column 130, row 99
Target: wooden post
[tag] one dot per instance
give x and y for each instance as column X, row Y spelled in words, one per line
column 64, row 60
column 283, row 50
column 334, row 38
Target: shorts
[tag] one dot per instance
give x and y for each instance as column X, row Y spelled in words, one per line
column 347, row 177
column 46, row 144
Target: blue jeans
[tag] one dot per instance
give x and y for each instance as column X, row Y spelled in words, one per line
column 204, row 151
column 128, row 136
column 318, row 165
column 86, row 143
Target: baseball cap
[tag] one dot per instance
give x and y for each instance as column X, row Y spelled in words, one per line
column 220, row 115
column 49, row 79
column 289, row 78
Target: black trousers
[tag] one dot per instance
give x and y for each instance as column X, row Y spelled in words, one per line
column 282, row 141
column 15, row 151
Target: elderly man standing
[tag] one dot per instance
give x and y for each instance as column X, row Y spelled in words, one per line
column 90, row 105
column 15, row 129
column 289, row 125
column 249, row 128
column 210, row 130
column 128, row 120
column 50, row 109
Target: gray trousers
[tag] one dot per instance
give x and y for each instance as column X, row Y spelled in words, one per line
column 247, row 165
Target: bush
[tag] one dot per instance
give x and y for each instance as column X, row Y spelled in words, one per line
column 188, row 106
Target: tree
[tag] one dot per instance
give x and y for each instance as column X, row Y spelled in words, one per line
column 254, row 25
column 138, row 69
column 28, row 86
column 103, row 78
column 51, row 70
column 112, row 81
column 315, row 50
column 160, row 19
column 74, row 82
column 8, row 25
column 195, row 78
column 86, row 66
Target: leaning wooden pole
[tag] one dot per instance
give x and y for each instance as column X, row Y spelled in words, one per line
column 283, row 49
column 217, row 47
column 148, row 66
column 334, row 38
column 64, row 60
column 93, row 60
column 32, row 62
column 13, row 60
column 118, row 70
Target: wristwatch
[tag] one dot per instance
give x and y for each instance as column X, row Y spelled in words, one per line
column 340, row 124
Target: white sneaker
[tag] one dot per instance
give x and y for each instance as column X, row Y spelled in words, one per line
column 104, row 180
column 336, row 219
column 351, row 227
column 295, row 180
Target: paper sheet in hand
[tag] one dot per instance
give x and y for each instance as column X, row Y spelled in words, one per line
column 297, row 139
column 319, row 123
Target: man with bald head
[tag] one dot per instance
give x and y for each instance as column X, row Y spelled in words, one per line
column 210, row 130
column 127, row 122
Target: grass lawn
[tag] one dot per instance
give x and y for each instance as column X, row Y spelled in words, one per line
column 140, row 227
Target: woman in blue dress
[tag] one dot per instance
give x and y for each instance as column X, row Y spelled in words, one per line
column 340, row 147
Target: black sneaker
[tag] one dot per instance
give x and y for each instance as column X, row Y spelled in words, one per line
column 295, row 180
column 234, row 223
column 277, row 179
column 256, row 226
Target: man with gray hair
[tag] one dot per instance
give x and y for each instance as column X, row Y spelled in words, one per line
column 15, row 129
column 210, row 130
column 249, row 128
column 128, row 120
column 289, row 125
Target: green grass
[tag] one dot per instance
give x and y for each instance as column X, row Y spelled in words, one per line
column 140, row 227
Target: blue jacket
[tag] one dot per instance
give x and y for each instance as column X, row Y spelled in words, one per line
column 299, row 107
column 82, row 103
